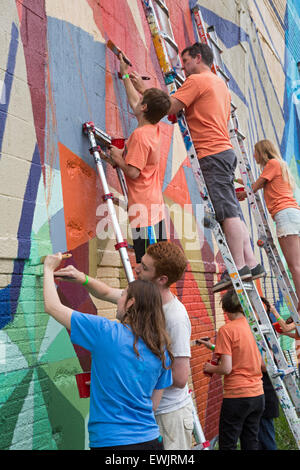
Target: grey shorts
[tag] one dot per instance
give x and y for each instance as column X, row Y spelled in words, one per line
column 218, row 172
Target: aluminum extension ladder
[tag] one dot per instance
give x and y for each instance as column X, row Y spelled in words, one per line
column 282, row 377
column 93, row 135
column 265, row 238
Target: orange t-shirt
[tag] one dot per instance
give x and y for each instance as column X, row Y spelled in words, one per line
column 145, row 199
column 236, row 339
column 207, row 101
column 277, row 193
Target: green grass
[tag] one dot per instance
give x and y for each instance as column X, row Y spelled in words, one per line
column 283, row 435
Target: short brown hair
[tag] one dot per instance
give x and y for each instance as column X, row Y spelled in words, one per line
column 169, row 260
column 203, row 49
column 230, row 302
column 158, row 104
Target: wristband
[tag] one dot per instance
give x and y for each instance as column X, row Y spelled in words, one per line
column 235, row 180
column 125, row 76
column 213, row 347
column 86, row 280
column 279, row 318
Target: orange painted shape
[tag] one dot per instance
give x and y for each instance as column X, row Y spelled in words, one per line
column 81, row 196
column 178, row 190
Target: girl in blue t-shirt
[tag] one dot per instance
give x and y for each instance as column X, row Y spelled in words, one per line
column 131, row 362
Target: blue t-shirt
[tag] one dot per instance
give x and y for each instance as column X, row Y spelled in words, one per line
column 121, row 383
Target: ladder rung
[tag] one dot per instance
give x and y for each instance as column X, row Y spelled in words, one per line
column 102, row 136
column 223, row 73
column 169, row 40
column 265, row 329
column 284, row 373
column 213, row 41
column 163, row 6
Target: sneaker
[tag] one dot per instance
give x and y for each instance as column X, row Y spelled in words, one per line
column 225, row 281
column 258, row 271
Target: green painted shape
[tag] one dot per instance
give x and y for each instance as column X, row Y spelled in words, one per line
column 8, row 383
column 19, row 334
column 63, row 374
column 9, row 412
column 67, row 422
column 42, row 429
column 61, row 348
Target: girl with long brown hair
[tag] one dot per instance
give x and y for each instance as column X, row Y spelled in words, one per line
column 278, row 184
column 131, row 363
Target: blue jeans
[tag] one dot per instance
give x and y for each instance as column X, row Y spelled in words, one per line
column 266, row 434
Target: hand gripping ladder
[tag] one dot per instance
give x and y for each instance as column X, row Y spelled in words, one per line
column 265, row 238
column 91, row 132
column 158, row 19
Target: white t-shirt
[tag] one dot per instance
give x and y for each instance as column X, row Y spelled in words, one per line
column 178, row 326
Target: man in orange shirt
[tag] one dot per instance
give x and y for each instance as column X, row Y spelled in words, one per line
column 140, row 164
column 206, row 100
column 241, row 364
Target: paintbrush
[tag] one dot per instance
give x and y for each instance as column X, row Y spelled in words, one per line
column 117, row 52
column 37, row 261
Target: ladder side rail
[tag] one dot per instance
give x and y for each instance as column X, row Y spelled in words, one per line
column 102, row 137
column 111, row 209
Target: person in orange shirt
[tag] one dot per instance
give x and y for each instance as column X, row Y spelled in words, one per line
column 207, row 103
column 278, row 185
column 241, row 364
column 140, row 164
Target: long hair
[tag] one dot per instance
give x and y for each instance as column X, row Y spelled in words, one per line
column 146, row 318
column 266, row 151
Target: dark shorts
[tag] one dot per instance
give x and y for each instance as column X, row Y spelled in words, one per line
column 144, row 236
column 218, row 172
column 156, row 444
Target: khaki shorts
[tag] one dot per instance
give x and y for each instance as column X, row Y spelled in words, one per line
column 176, row 428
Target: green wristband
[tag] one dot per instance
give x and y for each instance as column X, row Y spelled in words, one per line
column 279, row 318
column 86, row 280
column 213, row 347
column 125, row 76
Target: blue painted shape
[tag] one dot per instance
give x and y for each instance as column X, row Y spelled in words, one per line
column 8, row 80
column 5, row 310
column 233, row 86
column 290, row 145
column 24, row 240
column 58, row 232
column 168, row 170
column 77, row 74
column 25, row 225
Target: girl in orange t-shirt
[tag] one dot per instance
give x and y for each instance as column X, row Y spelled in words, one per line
column 278, row 185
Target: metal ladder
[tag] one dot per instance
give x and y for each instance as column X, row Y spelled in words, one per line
column 158, row 18
column 93, row 133
column 265, row 238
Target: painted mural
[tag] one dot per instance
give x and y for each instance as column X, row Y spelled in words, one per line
column 55, row 74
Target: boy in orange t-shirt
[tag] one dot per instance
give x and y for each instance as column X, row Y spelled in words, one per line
column 140, row 164
column 241, row 364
